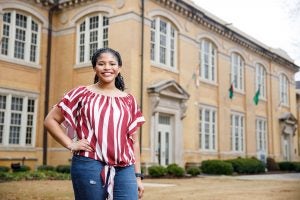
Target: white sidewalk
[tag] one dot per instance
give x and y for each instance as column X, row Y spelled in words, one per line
column 287, row 176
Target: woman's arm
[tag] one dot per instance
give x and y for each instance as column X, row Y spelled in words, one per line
column 52, row 123
column 137, row 166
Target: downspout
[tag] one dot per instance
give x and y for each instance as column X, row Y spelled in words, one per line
column 142, row 66
column 47, row 83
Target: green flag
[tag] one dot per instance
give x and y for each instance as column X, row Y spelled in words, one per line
column 256, row 96
column 231, row 91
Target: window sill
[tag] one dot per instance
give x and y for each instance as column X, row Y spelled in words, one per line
column 164, row 67
column 20, row 62
column 16, row 148
column 206, row 81
column 82, row 65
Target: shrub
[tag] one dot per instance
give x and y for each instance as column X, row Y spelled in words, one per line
column 52, row 175
column 22, row 168
column 175, row 170
column 193, row 171
column 63, row 169
column 247, row 165
column 46, row 168
column 157, row 171
column 216, row 167
column 297, row 166
column 272, row 165
column 286, row 166
column 4, row 169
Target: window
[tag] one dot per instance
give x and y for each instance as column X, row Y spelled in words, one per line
column 237, row 132
column 260, row 80
column 92, row 34
column 20, row 37
column 261, row 133
column 283, row 89
column 237, row 72
column 208, row 58
column 17, row 119
column 163, row 43
column 207, row 129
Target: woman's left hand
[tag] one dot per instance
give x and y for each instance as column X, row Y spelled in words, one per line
column 140, row 187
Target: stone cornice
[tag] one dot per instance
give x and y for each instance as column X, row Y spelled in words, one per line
column 62, row 3
column 197, row 16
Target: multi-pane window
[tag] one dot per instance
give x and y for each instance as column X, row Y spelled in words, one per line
column 92, row 34
column 17, row 119
column 207, row 128
column 20, row 37
column 163, row 43
column 208, row 58
column 261, row 134
column 2, row 114
column 237, row 132
column 260, row 83
column 283, row 89
column 237, row 71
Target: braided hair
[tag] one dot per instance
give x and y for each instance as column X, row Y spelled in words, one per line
column 119, row 81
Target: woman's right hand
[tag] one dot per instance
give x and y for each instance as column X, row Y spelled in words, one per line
column 80, row 145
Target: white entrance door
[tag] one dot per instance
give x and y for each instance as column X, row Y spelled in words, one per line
column 164, row 138
column 286, row 147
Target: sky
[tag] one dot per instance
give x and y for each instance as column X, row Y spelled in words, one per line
column 276, row 23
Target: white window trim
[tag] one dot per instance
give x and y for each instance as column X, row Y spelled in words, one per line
column 87, row 61
column 25, row 96
column 260, row 71
column 241, row 133
column 10, row 57
column 202, row 145
column 156, row 61
column 239, row 87
column 265, row 132
column 283, row 90
column 201, row 61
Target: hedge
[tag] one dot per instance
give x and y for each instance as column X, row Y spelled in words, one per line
column 247, row 165
column 157, row 171
column 216, row 167
column 175, row 170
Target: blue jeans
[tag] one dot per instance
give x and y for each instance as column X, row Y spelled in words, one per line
column 88, row 185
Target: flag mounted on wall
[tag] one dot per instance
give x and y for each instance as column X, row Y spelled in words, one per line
column 256, row 96
column 231, row 91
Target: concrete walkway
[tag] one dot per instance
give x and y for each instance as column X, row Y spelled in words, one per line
column 287, row 176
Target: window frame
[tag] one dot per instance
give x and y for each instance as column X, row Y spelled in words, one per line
column 170, row 46
column 261, row 135
column 240, row 134
column 28, row 39
column 283, row 90
column 103, row 30
column 237, row 72
column 261, row 80
column 212, row 132
column 211, row 69
column 24, row 125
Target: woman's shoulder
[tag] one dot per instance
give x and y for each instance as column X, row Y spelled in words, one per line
column 76, row 90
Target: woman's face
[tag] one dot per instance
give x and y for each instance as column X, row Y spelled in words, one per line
column 107, row 68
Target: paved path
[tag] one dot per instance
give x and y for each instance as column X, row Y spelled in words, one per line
column 287, row 176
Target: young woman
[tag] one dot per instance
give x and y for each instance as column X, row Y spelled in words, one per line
column 106, row 151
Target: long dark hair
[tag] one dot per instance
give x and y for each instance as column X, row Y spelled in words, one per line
column 119, row 82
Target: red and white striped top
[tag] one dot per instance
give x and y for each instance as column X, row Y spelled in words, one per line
column 106, row 122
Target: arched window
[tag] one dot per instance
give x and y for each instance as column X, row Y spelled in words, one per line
column 21, row 37
column 237, row 71
column 208, row 60
column 92, row 34
column 283, row 89
column 260, row 82
column 163, row 43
